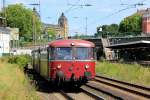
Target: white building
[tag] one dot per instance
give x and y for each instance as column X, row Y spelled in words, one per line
column 4, row 41
column 7, row 35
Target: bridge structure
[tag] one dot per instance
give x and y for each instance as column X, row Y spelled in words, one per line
column 117, row 40
column 99, row 46
column 102, row 44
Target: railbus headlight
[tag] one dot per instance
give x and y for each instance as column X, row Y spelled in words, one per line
column 87, row 66
column 59, row 66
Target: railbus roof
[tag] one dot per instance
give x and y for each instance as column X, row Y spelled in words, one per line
column 71, row 42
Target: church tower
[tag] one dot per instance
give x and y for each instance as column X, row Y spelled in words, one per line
column 63, row 23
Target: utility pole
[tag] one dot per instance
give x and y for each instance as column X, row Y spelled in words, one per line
column 39, row 5
column 4, row 13
column 34, row 36
column 39, row 8
column 34, row 26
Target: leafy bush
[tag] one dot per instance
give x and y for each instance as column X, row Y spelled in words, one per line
column 20, row 60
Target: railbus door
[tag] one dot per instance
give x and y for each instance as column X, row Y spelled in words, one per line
column 43, row 63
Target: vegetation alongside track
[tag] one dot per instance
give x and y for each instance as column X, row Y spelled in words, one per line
column 20, row 60
column 126, row 72
column 13, row 84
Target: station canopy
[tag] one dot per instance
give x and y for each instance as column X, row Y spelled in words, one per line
column 131, row 45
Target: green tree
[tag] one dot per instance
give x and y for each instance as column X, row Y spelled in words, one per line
column 131, row 25
column 51, row 33
column 107, row 30
column 19, row 16
column 110, row 28
column 77, row 36
column 113, row 28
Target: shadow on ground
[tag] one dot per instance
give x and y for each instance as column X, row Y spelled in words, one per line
column 45, row 86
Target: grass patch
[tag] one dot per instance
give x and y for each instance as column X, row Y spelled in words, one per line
column 126, row 72
column 13, row 83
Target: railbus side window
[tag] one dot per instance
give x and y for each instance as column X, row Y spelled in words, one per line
column 52, row 53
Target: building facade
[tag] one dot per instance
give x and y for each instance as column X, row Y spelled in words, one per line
column 61, row 28
column 8, row 38
column 145, row 13
column 4, row 41
column 63, row 23
column 146, row 24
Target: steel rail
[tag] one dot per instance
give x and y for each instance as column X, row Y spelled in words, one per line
column 145, row 91
column 105, row 92
column 123, row 82
column 68, row 97
column 92, row 94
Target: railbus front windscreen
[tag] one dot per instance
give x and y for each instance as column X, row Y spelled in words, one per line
column 62, row 53
column 84, row 53
column 72, row 53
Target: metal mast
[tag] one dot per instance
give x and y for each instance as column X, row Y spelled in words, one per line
column 4, row 13
column 34, row 26
column 34, row 35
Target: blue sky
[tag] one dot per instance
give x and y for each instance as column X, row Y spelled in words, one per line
column 97, row 14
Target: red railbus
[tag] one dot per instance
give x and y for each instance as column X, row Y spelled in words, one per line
column 65, row 60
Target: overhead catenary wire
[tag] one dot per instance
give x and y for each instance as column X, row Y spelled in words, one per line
column 70, row 8
column 114, row 13
column 105, row 17
column 140, row 3
column 74, row 6
column 67, row 10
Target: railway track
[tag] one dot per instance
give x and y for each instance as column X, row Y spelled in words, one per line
column 80, row 93
column 66, row 95
column 61, row 94
column 91, row 93
column 97, row 89
column 119, row 89
column 101, row 92
column 48, row 91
